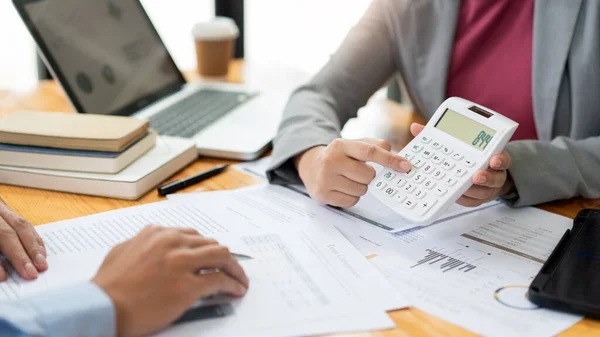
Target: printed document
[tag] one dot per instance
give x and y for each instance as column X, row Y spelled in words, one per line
column 368, row 209
column 474, row 271
column 305, row 277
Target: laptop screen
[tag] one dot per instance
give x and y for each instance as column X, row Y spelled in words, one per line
column 106, row 53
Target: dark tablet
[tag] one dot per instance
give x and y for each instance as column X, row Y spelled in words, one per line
column 570, row 279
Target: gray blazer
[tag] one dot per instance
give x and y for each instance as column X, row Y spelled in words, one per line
column 412, row 39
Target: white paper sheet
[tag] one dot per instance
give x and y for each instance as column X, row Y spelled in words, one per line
column 368, row 209
column 306, row 278
column 276, row 207
column 474, row 271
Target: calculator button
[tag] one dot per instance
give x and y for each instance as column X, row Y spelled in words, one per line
column 410, row 173
column 408, row 156
column 446, row 150
column 425, row 206
column 380, row 185
column 389, row 175
column 401, row 182
column 437, row 159
column 419, row 178
column 420, row 194
column 450, row 181
column 438, row 174
column 469, row 163
column 447, row 165
column 390, row 192
column 459, row 172
column 436, row 145
column 409, row 203
column 409, row 188
column 457, row 156
column 440, row 191
column 418, row 163
column 427, row 154
column 400, row 197
column 416, row 148
column 425, row 140
column 428, row 168
column 429, row 184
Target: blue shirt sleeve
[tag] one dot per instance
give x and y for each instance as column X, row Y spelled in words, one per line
column 78, row 310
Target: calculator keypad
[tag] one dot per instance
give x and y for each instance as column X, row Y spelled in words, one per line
column 437, row 169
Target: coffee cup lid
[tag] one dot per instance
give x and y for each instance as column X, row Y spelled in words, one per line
column 216, row 29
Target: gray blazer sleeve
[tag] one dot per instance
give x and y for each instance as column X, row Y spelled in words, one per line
column 561, row 169
column 316, row 112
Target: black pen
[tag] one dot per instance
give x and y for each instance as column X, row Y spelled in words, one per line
column 183, row 183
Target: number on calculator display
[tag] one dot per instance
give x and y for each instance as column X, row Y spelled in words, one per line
column 482, row 139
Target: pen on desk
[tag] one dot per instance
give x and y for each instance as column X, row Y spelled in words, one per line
column 183, row 183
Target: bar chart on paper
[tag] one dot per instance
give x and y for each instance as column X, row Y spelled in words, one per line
column 445, row 262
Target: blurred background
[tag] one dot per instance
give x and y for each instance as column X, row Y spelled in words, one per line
column 299, row 34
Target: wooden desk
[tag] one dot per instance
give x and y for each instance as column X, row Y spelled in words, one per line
column 41, row 207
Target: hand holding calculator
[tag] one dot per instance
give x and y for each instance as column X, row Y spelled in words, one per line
column 458, row 141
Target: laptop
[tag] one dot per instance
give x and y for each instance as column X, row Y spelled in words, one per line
column 109, row 59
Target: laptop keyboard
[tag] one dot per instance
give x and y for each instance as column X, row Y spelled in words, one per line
column 195, row 112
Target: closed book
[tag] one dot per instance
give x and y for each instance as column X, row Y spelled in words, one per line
column 71, row 131
column 167, row 157
column 75, row 160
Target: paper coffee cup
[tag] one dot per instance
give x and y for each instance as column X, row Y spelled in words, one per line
column 215, row 44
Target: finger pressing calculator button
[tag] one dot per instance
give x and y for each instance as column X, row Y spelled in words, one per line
column 419, row 194
column 380, row 185
column 400, row 198
column 450, row 181
column 425, row 140
column 390, row 192
column 416, row 148
column 447, row 165
column 419, row 178
column 427, row 154
column 429, row 184
column 436, row 145
column 425, row 206
column 446, row 150
column 389, row 175
column 469, row 163
column 409, row 188
column 409, row 203
column 438, row 174
column 457, row 156
column 428, row 168
column 460, row 171
column 408, row 156
column 418, row 163
column 437, row 159
column 410, row 173
column 401, row 182
column 440, row 191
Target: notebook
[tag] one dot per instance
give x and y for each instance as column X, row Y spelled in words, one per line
column 166, row 158
column 71, row 131
column 75, row 160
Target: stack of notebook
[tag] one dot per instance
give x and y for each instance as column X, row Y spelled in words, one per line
column 90, row 154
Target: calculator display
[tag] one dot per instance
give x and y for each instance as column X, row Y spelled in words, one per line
column 472, row 133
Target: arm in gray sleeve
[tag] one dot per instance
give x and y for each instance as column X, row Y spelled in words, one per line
column 317, row 111
column 561, row 169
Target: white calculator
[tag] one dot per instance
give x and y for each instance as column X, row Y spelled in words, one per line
column 458, row 141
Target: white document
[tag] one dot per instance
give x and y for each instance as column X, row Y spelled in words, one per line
column 368, row 209
column 279, row 208
column 305, row 277
column 474, row 271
